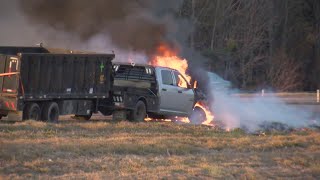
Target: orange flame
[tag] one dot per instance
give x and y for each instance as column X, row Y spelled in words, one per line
column 195, row 85
column 183, row 119
column 163, row 120
column 168, row 58
column 209, row 115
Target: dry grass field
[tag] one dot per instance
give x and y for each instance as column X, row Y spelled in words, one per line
column 153, row 150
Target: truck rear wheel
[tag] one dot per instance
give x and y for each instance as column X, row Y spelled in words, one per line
column 50, row 112
column 139, row 112
column 31, row 111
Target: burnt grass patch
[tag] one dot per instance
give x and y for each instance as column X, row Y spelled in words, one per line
column 102, row 149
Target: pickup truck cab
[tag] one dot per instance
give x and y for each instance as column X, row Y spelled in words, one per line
column 153, row 91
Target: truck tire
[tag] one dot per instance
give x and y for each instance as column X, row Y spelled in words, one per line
column 50, row 112
column 139, row 112
column 31, row 111
column 198, row 116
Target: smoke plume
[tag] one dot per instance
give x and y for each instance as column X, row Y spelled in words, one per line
column 136, row 25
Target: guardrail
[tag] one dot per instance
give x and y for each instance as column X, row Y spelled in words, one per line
column 294, row 98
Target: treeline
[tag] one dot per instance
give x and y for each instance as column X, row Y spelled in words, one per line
column 259, row 43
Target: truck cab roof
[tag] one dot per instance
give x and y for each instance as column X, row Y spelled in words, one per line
column 142, row 65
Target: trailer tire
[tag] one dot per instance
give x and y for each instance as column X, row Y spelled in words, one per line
column 50, row 112
column 32, row 111
column 139, row 112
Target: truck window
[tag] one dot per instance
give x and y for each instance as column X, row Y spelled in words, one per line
column 180, row 81
column 166, row 77
column 128, row 72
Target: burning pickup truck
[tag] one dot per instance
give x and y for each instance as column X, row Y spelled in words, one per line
column 142, row 91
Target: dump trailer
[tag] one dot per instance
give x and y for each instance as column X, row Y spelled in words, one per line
column 39, row 85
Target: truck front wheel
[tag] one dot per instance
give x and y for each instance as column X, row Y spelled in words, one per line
column 139, row 112
column 198, row 116
column 32, row 111
column 50, row 112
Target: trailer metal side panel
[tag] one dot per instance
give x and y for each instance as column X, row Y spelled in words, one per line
column 14, row 50
column 66, row 75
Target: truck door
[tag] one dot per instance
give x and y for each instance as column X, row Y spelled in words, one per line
column 168, row 92
column 184, row 94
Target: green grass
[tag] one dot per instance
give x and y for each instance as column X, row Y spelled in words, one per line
column 153, row 150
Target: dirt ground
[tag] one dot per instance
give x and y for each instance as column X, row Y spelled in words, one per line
column 101, row 149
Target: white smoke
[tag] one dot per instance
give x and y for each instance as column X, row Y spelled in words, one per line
column 250, row 113
column 101, row 43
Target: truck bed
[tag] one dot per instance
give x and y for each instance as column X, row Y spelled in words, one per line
column 133, row 82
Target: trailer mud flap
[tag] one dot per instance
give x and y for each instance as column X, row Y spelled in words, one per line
column 14, row 116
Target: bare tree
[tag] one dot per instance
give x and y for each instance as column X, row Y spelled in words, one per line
column 249, row 33
column 285, row 74
column 243, row 38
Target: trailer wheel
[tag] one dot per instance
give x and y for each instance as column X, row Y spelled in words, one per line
column 139, row 112
column 50, row 112
column 31, row 111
